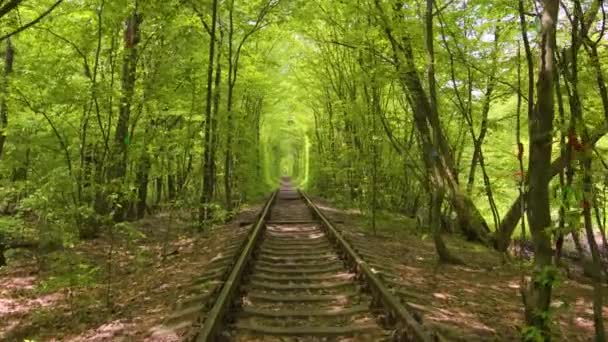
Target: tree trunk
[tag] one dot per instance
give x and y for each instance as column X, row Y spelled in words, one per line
column 171, row 179
column 537, row 296
column 597, row 273
column 142, row 185
column 488, row 189
column 511, row 218
column 159, row 190
column 183, row 175
column 559, row 243
column 585, row 152
column 214, row 117
column 118, row 169
column 2, row 257
column 129, row 69
column 601, row 225
column 171, row 187
column 9, row 55
column 208, row 167
column 478, row 142
column 229, row 122
column 470, row 219
column 443, row 253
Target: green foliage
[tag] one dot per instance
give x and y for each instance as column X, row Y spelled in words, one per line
column 128, row 232
column 61, row 120
column 46, row 206
column 10, row 226
column 548, row 276
column 532, row 334
column 69, row 271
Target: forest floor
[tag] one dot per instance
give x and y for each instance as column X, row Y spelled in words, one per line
column 479, row 301
column 65, row 296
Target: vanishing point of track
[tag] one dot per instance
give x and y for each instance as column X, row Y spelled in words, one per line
column 297, row 279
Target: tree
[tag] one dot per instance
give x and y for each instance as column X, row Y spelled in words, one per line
column 234, row 56
column 537, row 297
column 129, row 72
column 208, row 160
column 437, row 153
column 9, row 55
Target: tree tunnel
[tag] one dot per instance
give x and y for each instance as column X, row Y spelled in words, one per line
column 285, row 150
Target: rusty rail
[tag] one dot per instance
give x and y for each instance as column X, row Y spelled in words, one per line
column 216, row 315
column 409, row 329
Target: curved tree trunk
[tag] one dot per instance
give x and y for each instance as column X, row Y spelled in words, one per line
column 470, row 219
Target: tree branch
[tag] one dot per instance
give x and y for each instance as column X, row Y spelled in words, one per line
column 9, row 7
column 72, row 44
column 201, row 17
column 33, row 22
column 442, row 8
column 58, row 135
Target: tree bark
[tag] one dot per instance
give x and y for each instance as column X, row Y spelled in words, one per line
column 118, row 169
column 216, row 111
column 537, row 296
column 171, row 192
column 229, row 122
column 159, row 190
column 438, row 192
column 9, row 55
column 597, row 274
column 562, row 181
column 142, row 184
column 129, row 70
column 208, row 167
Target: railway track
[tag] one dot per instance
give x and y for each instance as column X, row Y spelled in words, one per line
column 297, row 279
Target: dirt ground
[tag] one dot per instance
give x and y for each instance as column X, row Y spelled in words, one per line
column 65, row 296
column 479, row 301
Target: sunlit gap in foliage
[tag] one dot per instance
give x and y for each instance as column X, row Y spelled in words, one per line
column 286, row 148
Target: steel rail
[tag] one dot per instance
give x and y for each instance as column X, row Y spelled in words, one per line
column 409, row 328
column 216, row 315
